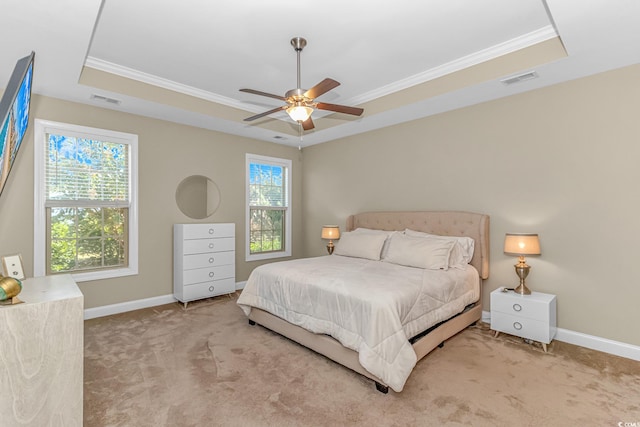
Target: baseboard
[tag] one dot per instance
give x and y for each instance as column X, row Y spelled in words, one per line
column 108, row 310
column 616, row 348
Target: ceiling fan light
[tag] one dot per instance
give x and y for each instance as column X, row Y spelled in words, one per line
column 299, row 113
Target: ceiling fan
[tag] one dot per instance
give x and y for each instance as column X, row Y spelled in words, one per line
column 300, row 103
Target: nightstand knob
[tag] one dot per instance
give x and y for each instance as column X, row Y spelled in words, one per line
column 211, row 288
column 517, row 325
column 517, row 307
column 211, row 274
column 211, row 245
column 211, row 260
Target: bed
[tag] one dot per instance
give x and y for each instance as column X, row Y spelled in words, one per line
column 379, row 317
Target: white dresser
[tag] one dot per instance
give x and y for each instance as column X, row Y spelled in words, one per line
column 531, row 317
column 204, row 261
column 41, row 354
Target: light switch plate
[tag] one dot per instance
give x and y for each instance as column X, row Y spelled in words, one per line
column 12, row 265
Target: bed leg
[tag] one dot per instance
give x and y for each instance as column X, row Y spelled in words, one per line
column 441, row 344
column 382, row 388
column 251, row 322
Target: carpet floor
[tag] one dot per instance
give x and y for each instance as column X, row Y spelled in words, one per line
column 206, row 366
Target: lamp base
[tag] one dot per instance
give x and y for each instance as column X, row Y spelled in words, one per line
column 522, row 290
column 522, row 270
column 330, row 247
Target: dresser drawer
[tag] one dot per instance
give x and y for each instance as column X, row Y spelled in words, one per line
column 522, row 327
column 524, row 307
column 200, row 246
column 208, row 260
column 207, row 231
column 200, row 275
column 208, row 289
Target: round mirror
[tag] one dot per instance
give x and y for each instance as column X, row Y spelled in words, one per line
column 197, row 197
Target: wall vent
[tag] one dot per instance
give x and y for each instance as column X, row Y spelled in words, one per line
column 279, row 137
column 520, row 78
column 105, row 99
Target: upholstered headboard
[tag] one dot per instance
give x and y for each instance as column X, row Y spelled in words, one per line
column 445, row 223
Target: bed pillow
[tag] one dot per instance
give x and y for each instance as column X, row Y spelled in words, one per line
column 432, row 254
column 385, row 247
column 360, row 245
column 462, row 251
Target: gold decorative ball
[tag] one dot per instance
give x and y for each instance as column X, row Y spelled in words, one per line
column 9, row 288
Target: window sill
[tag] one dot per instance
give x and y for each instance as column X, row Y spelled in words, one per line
column 270, row 255
column 104, row 274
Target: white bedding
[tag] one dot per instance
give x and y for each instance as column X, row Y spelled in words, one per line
column 371, row 307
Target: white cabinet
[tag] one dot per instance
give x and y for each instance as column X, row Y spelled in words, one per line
column 528, row 316
column 204, row 261
column 41, row 354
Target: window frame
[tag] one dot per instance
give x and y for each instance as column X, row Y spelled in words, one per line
column 41, row 128
column 274, row 161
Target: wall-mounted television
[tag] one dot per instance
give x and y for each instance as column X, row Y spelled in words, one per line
column 14, row 114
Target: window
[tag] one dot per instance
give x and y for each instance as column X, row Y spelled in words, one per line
column 86, row 220
column 268, row 207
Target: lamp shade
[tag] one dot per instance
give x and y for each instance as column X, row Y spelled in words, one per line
column 330, row 232
column 299, row 113
column 521, row 244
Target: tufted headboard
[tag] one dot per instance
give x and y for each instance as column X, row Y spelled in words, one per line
column 445, row 223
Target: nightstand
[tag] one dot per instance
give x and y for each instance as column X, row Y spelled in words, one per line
column 532, row 317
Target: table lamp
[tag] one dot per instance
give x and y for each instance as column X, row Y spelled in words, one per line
column 521, row 244
column 330, row 232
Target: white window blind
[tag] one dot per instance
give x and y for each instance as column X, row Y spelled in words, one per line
column 83, row 169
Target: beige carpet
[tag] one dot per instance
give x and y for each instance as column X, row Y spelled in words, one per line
column 206, row 366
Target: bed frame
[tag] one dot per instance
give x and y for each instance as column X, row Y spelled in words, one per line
column 447, row 223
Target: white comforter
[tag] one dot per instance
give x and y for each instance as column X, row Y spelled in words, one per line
column 371, row 307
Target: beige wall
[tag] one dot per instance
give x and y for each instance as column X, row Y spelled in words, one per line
column 561, row 161
column 167, row 153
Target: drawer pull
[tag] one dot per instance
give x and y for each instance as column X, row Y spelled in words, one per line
column 211, row 231
column 211, row 245
column 211, row 288
column 211, row 260
column 517, row 326
column 517, row 307
column 211, row 274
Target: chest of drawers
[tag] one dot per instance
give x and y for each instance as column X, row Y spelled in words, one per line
column 528, row 316
column 203, row 261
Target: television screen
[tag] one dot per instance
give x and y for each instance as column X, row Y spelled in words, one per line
column 14, row 113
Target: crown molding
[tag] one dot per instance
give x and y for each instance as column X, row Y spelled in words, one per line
column 140, row 76
column 524, row 41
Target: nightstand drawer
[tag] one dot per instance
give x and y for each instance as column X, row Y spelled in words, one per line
column 207, row 231
column 528, row 306
column 522, row 327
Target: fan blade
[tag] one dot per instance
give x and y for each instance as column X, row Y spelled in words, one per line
column 323, row 87
column 257, row 92
column 266, row 113
column 308, row 124
column 340, row 108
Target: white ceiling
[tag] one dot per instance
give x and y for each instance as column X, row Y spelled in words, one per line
column 208, row 50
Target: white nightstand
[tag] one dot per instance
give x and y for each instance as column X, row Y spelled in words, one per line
column 528, row 316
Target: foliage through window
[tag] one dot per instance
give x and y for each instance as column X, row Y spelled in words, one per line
column 87, row 199
column 268, row 207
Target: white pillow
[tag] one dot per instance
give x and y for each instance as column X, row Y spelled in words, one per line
column 462, row 251
column 385, row 247
column 419, row 252
column 360, row 245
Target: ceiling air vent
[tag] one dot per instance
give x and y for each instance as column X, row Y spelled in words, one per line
column 520, row 78
column 279, row 137
column 105, row 99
